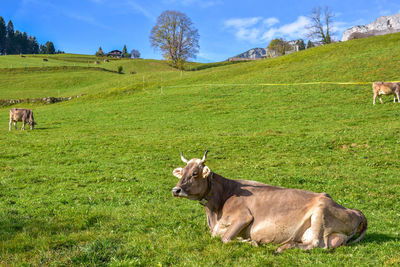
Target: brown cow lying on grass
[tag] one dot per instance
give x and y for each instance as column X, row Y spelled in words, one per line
column 260, row 213
column 21, row 114
column 382, row 88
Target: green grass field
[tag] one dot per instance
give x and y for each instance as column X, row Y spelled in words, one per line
column 91, row 185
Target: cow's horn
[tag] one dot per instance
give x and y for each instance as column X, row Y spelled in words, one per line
column 183, row 158
column 204, row 157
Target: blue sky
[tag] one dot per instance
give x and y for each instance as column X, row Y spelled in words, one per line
column 226, row 28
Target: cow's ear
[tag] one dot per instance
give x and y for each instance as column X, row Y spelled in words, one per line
column 206, row 172
column 178, row 172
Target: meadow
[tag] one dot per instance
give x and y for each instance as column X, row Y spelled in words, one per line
column 91, row 185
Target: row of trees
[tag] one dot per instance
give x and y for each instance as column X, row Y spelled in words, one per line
column 280, row 46
column 134, row 53
column 16, row 42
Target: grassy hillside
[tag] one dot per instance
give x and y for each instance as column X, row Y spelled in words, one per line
column 92, row 184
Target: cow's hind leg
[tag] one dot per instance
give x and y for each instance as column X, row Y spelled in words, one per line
column 9, row 125
column 288, row 245
column 380, row 99
column 15, row 125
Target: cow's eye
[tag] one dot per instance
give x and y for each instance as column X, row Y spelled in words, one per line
column 195, row 173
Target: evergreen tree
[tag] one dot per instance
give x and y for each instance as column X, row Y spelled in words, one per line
column 310, row 44
column 301, row 44
column 17, row 43
column 125, row 52
column 100, row 52
column 10, row 38
column 3, row 36
column 42, row 49
column 33, row 45
column 50, row 48
column 25, row 44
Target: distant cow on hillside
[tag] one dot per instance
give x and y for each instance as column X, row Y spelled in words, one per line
column 45, row 59
column 21, row 114
column 382, row 88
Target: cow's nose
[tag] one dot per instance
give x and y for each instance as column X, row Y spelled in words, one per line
column 176, row 191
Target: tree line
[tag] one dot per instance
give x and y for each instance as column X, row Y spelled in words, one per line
column 13, row 42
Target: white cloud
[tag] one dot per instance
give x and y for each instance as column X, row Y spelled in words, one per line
column 242, row 23
column 270, row 21
column 260, row 30
column 295, row 29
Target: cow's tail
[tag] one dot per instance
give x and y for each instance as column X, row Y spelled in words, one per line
column 362, row 229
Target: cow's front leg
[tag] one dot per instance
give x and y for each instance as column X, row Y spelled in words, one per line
column 15, row 125
column 239, row 222
column 23, row 126
column 9, row 125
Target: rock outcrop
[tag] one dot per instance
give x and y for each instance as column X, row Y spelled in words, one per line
column 382, row 25
column 252, row 54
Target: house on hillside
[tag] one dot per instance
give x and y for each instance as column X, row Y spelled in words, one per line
column 114, row 53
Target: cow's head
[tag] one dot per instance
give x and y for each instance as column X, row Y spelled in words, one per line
column 31, row 121
column 193, row 183
column 32, row 124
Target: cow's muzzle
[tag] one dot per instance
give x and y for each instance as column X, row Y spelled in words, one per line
column 178, row 192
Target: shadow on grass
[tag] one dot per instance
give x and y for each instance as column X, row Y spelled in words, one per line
column 378, row 238
column 44, row 128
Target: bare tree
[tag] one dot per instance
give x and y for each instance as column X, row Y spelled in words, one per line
column 176, row 37
column 321, row 25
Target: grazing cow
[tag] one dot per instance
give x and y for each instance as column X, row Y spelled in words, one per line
column 260, row 213
column 21, row 114
column 382, row 88
column 45, row 59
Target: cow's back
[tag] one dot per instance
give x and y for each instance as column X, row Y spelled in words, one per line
column 19, row 114
column 278, row 213
column 385, row 87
